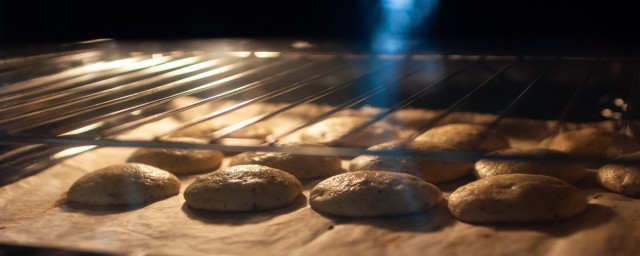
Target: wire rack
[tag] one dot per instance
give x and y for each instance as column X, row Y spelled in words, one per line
column 58, row 104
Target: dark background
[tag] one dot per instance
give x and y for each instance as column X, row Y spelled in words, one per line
column 475, row 26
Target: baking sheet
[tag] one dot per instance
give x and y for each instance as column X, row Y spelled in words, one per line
column 32, row 214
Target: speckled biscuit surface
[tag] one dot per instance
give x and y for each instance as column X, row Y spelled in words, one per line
column 373, row 193
column 466, row 137
column 619, row 178
column 516, row 198
column 243, row 188
column 332, row 129
column 301, row 166
column 568, row 171
column 123, row 184
column 179, row 161
column 591, row 142
column 430, row 170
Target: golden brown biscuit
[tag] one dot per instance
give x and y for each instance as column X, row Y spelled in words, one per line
column 429, row 170
column 373, row 193
column 332, row 129
column 516, row 198
column 301, row 166
column 621, row 178
column 123, row 184
column 243, row 188
column 567, row 171
column 591, row 142
column 179, row 161
column 466, row 137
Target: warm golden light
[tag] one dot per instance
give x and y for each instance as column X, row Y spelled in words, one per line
column 84, row 129
column 240, row 54
column 72, row 151
column 266, row 54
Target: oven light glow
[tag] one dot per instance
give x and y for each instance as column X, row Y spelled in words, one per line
column 267, row 54
column 240, row 54
column 72, row 151
column 156, row 55
column 84, row 129
column 137, row 112
column 301, row 45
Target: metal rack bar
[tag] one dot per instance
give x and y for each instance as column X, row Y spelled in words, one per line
column 150, row 76
column 55, row 72
column 270, row 95
column 565, row 111
column 406, row 102
column 137, row 95
column 455, row 106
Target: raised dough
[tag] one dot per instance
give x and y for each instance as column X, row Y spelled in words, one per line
column 620, row 178
column 429, row 170
column 301, row 166
column 179, row 161
column 123, row 184
column 243, row 188
column 546, row 163
column 373, row 193
column 332, row 129
column 591, row 142
column 516, row 198
column 466, row 137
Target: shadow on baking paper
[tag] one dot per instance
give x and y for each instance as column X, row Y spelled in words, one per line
column 241, row 218
column 431, row 220
column 593, row 216
column 67, row 206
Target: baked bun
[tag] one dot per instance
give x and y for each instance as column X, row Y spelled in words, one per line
column 543, row 165
column 373, row 193
column 466, row 137
column 516, row 198
column 301, row 166
column 619, row 178
column 430, row 170
column 330, row 131
column 243, row 188
column 179, row 161
column 123, row 184
column 591, row 142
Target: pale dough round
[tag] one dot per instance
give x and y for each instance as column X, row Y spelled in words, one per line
column 591, row 142
column 465, row 137
column 332, row 129
column 429, row 170
column 204, row 130
column 243, row 188
column 179, row 161
column 516, row 198
column 123, row 184
column 622, row 179
column 301, row 166
column 373, row 193
column 568, row 171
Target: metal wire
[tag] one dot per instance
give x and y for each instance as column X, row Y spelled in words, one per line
column 105, row 100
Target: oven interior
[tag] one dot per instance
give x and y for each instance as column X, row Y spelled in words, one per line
column 56, row 104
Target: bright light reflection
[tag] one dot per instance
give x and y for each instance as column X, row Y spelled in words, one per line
column 84, row 129
column 267, row 54
column 240, row 54
column 72, row 151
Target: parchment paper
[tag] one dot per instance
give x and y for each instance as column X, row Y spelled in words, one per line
column 32, row 214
